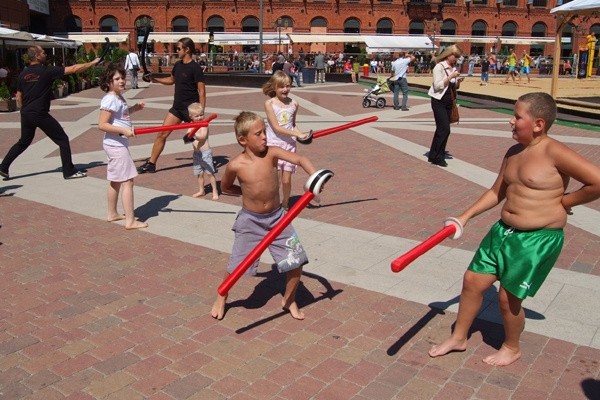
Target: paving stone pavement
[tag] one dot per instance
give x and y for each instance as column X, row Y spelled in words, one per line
column 91, row 311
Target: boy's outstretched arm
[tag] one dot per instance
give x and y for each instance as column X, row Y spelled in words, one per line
column 228, row 185
column 293, row 158
column 489, row 199
column 571, row 164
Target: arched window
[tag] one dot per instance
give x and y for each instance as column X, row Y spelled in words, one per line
column 384, row 26
column 109, row 24
column 180, row 24
column 479, row 29
column 567, row 44
column 538, row 30
column 352, row 25
column 215, row 24
column 318, row 22
column 73, row 24
column 509, row 29
column 416, row 28
column 250, row 24
column 596, row 30
column 448, row 27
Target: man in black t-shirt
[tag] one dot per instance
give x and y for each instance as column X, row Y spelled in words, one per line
column 188, row 78
column 34, row 92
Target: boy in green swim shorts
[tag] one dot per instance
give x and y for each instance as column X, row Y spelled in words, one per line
column 524, row 244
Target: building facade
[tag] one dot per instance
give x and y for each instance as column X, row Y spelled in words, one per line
column 441, row 18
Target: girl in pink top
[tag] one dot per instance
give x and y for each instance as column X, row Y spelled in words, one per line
column 281, row 126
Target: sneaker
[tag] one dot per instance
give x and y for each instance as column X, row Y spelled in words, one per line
column 77, row 175
column 404, row 109
column 147, row 167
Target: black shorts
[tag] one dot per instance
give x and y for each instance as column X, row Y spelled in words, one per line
column 181, row 113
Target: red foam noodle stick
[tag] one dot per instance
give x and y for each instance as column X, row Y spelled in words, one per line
column 199, row 124
column 313, row 187
column 329, row 131
column 189, row 137
column 453, row 227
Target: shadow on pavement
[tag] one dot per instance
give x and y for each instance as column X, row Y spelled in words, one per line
column 492, row 333
column 312, row 206
column 274, row 284
column 5, row 189
column 154, row 206
column 591, row 388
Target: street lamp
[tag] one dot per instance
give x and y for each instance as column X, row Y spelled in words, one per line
column 432, row 24
column 144, row 24
column 281, row 22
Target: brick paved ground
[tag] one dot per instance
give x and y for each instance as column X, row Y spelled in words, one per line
column 91, row 311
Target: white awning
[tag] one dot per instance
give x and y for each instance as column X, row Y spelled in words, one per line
column 98, row 37
column 494, row 39
column 241, row 38
column 578, row 7
column 382, row 44
column 55, row 42
column 173, row 37
column 6, row 33
column 325, row 38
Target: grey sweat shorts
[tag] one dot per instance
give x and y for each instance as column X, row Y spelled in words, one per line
column 250, row 228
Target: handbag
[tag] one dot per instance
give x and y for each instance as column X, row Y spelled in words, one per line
column 454, row 115
column 134, row 67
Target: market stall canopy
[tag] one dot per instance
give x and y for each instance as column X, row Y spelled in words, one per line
column 380, row 44
column 97, row 37
column 494, row 39
column 325, row 38
column 173, row 37
column 245, row 38
column 566, row 13
column 55, row 42
column 579, row 7
column 6, row 33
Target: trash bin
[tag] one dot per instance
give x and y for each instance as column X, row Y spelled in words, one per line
column 366, row 70
column 308, row 75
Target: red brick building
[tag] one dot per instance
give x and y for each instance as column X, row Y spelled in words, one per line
column 523, row 18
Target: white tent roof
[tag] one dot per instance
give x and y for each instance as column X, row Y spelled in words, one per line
column 241, row 38
column 98, row 37
column 173, row 37
column 6, row 33
column 325, row 38
column 376, row 44
column 580, row 7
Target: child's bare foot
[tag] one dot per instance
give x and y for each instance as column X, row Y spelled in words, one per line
column 218, row 308
column 504, row 356
column 294, row 310
column 215, row 196
column 447, row 346
column 198, row 194
column 116, row 217
column 136, row 225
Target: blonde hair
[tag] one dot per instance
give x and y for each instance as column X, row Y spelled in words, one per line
column 540, row 105
column 243, row 122
column 449, row 51
column 277, row 80
column 195, row 109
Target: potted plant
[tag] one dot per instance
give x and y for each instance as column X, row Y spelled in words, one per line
column 7, row 102
column 57, row 88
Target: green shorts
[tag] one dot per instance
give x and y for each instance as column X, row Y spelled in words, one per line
column 520, row 259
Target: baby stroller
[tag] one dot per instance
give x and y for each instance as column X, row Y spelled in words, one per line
column 372, row 98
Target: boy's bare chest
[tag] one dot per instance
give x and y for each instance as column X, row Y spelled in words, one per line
column 533, row 171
